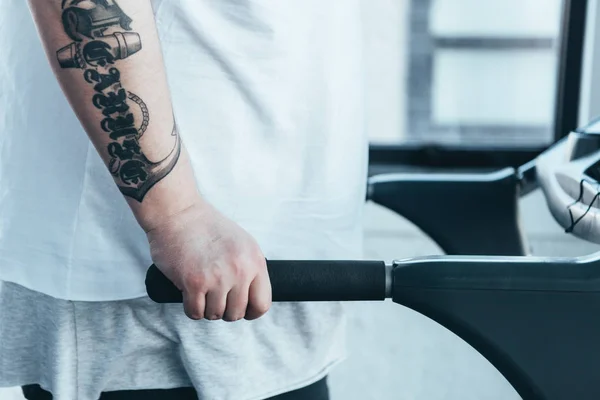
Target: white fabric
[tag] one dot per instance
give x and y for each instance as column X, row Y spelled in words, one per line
column 268, row 99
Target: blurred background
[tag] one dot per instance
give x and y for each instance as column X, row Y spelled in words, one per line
column 462, row 72
column 459, row 85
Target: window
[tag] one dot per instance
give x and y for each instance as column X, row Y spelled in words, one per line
column 469, row 73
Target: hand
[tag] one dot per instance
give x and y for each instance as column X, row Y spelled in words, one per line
column 217, row 265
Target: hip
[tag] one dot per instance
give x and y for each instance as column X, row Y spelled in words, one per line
column 87, row 348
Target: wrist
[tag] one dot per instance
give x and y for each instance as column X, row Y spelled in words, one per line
column 168, row 215
column 170, row 197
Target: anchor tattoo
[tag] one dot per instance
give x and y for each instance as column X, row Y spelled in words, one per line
column 102, row 37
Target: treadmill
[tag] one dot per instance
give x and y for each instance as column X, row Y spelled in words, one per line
column 536, row 319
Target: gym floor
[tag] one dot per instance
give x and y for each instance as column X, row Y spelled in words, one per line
column 398, row 354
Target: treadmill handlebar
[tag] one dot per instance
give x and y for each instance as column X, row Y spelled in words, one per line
column 572, row 195
column 374, row 280
column 302, row 281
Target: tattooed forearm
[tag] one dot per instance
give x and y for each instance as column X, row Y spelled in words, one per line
column 102, row 37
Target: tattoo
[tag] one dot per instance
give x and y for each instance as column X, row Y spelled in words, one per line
column 101, row 34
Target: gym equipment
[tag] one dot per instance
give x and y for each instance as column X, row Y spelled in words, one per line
column 536, row 319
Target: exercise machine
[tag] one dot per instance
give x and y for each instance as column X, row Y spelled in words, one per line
column 536, row 319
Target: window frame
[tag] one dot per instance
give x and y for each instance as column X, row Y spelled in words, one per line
column 566, row 109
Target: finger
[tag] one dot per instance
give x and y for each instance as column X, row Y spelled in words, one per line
column 259, row 296
column 237, row 302
column 194, row 304
column 216, row 301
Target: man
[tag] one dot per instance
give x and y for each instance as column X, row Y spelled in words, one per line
column 233, row 129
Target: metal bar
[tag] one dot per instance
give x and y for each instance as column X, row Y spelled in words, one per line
column 420, row 69
column 468, row 214
column 442, row 156
column 493, row 135
column 589, row 107
column 570, row 67
column 493, row 43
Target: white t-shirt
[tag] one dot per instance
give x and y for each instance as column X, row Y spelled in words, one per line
column 268, row 100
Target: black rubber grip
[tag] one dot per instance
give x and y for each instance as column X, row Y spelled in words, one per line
column 300, row 281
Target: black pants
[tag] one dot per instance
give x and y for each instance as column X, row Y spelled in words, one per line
column 316, row 391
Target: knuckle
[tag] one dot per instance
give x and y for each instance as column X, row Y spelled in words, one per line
column 215, row 313
column 240, row 271
column 232, row 318
column 262, row 307
column 192, row 308
column 256, row 255
column 232, row 249
column 237, row 256
column 217, row 277
column 238, row 266
column 260, row 266
column 195, row 282
column 194, row 314
column 249, row 265
column 236, row 308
